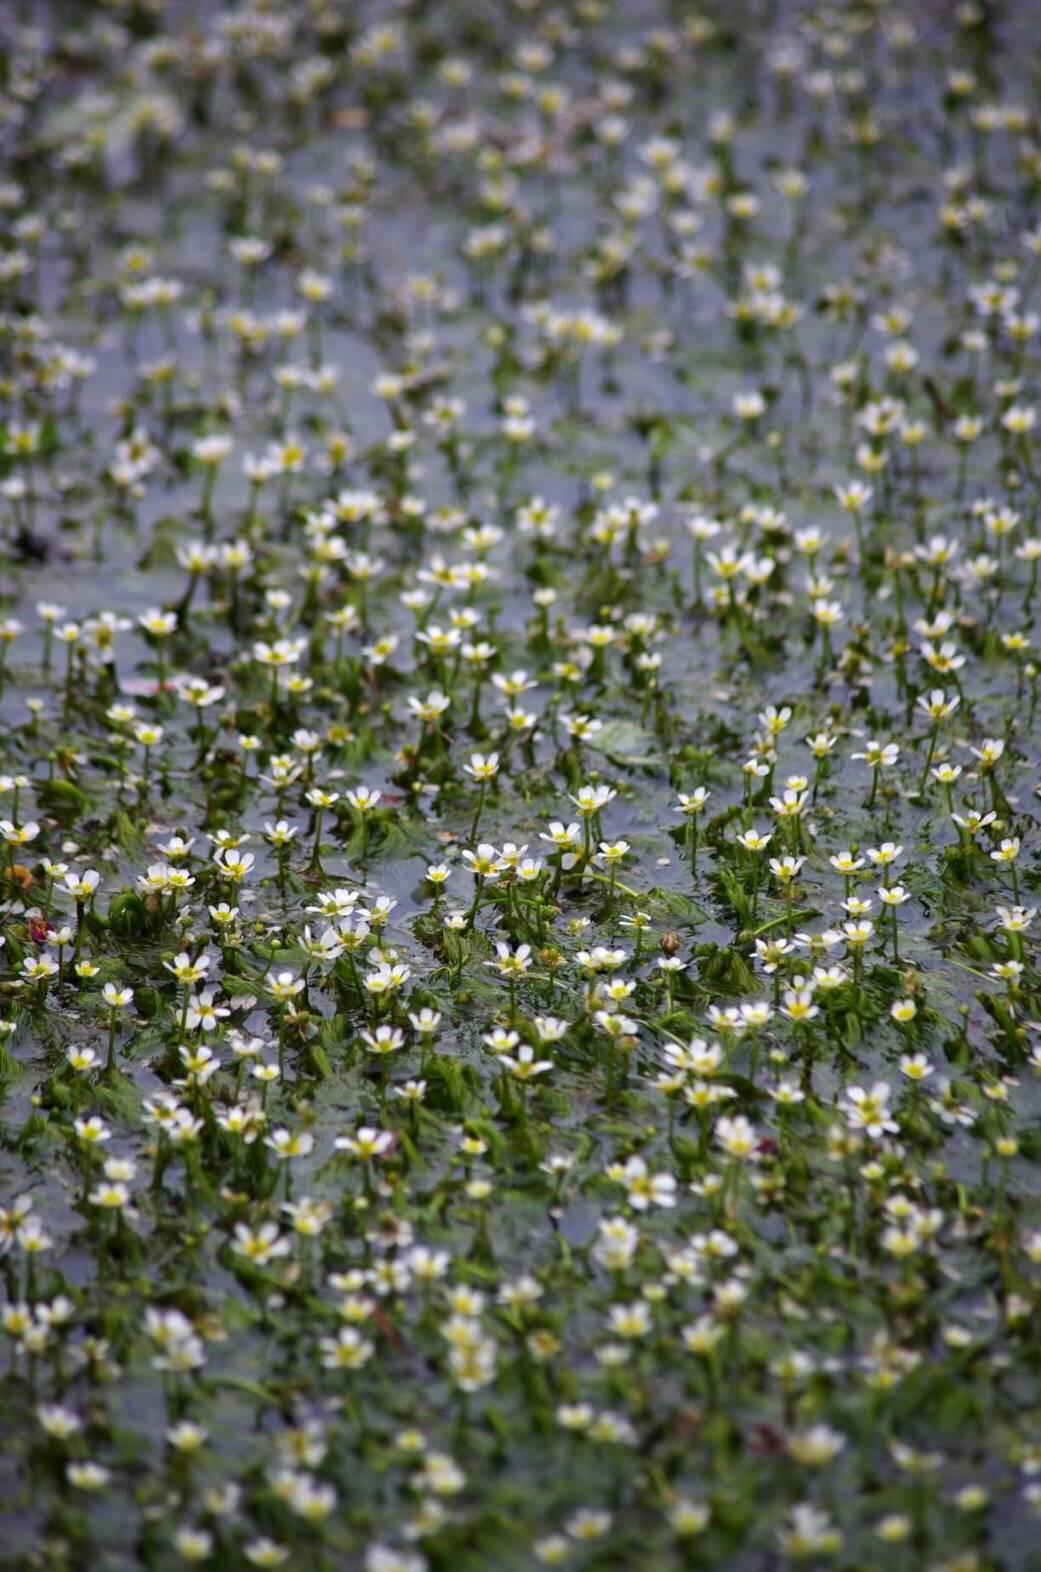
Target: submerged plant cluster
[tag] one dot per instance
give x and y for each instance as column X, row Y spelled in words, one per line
column 520, row 1024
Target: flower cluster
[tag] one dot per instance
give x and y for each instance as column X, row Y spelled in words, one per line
column 520, row 1018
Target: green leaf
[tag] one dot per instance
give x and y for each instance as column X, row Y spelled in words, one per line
column 670, row 903
column 62, row 800
column 625, row 743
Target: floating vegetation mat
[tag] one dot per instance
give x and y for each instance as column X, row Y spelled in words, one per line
column 520, row 1018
